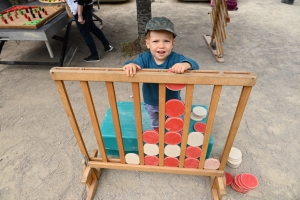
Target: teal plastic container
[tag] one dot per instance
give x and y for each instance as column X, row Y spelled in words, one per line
column 128, row 128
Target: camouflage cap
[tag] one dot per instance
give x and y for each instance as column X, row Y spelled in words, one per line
column 160, row 23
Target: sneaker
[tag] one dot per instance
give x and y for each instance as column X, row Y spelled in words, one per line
column 110, row 48
column 92, row 58
column 291, row 2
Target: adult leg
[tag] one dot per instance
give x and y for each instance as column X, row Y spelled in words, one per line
column 95, row 30
column 84, row 30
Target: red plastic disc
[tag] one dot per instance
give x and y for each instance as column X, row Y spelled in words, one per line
column 249, row 180
column 236, row 188
column 151, row 160
column 211, row 163
column 150, row 137
column 175, row 87
column 171, row 162
column 239, row 183
column 174, row 108
column 200, row 127
column 172, row 138
column 193, row 152
column 174, row 124
column 229, row 178
column 191, row 163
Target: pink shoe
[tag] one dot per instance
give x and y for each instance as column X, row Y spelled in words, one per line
column 212, row 3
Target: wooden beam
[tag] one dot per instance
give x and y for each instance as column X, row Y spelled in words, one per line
column 186, row 123
column 210, row 121
column 162, row 118
column 115, row 115
column 201, row 77
column 71, row 116
column 149, row 168
column 94, row 119
column 235, row 124
column 138, row 120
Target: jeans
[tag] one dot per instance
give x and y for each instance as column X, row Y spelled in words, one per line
column 153, row 113
column 89, row 27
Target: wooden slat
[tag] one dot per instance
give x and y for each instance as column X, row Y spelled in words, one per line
column 210, row 121
column 138, row 120
column 162, row 117
column 220, row 187
column 202, row 77
column 187, row 115
column 235, row 124
column 214, row 194
column 92, row 189
column 94, row 119
column 115, row 115
column 86, row 176
column 72, row 119
column 114, row 160
column 149, row 168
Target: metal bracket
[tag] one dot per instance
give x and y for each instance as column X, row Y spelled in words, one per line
column 86, row 161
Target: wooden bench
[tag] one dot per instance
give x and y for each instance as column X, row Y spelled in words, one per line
column 109, row 76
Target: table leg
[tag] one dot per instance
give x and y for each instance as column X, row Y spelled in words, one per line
column 49, row 49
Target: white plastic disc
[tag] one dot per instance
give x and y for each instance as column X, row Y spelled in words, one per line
column 235, row 153
column 172, row 150
column 151, row 149
column 195, row 139
column 132, row 158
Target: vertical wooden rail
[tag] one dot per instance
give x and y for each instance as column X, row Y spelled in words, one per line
column 72, row 119
column 235, row 124
column 162, row 118
column 94, row 119
column 114, row 111
column 210, row 121
column 138, row 120
column 187, row 117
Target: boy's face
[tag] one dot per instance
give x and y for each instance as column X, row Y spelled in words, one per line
column 160, row 44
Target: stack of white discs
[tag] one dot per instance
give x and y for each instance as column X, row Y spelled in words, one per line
column 235, row 158
column 198, row 113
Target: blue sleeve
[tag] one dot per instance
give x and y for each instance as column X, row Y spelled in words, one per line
column 138, row 61
column 193, row 63
column 179, row 58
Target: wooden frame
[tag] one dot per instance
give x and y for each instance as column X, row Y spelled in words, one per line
column 93, row 164
column 219, row 19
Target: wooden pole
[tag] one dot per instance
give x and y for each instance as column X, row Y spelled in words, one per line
column 138, row 120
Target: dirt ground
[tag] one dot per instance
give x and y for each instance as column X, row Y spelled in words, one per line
column 39, row 156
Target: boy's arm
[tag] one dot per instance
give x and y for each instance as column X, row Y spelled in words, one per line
column 184, row 64
column 194, row 65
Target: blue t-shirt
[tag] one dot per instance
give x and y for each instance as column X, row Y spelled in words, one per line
column 150, row 90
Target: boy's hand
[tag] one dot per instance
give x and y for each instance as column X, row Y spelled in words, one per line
column 131, row 69
column 180, row 68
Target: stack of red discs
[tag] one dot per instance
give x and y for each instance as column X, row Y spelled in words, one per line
column 244, row 182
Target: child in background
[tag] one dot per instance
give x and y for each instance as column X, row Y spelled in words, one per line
column 160, row 40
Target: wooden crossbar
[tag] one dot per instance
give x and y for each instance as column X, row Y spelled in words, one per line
column 109, row 76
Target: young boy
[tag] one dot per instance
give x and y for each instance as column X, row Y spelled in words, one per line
column 160, row 40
